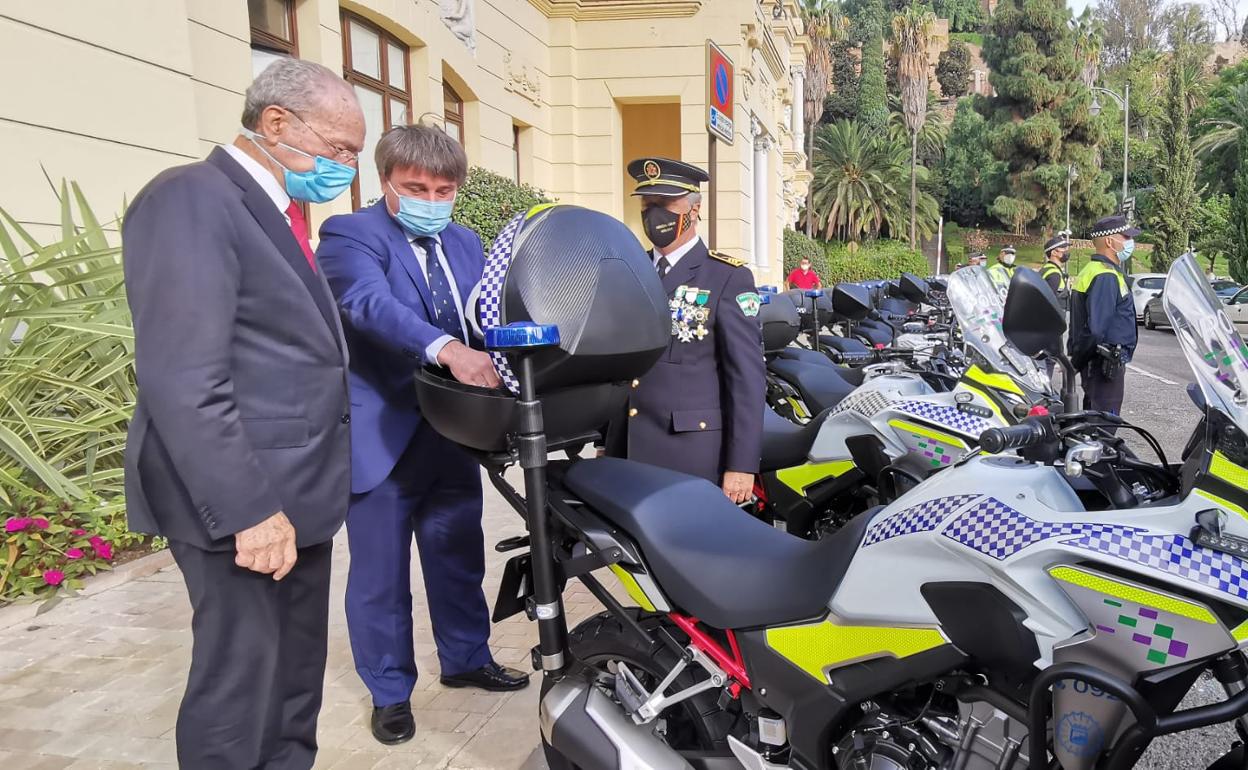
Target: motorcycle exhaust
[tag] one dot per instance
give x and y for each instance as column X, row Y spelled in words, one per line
column 592, row 731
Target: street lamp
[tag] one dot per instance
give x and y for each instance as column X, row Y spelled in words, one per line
column 1072, row 173
column 1124, row 102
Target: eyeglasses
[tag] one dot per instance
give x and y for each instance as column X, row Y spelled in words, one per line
column 341, row 154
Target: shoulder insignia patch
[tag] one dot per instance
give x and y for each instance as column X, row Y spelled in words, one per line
column 750, row 302
column 727, row 259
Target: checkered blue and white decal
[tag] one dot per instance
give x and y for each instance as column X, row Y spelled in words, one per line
column 997, row 530
column 866, row 402
column 946, row 416
column 1174, row 554
column 917, row 518
column 490, row 304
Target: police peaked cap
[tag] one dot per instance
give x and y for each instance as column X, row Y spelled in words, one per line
column 666, row 178
column 1113, row 225
column 1056, row 242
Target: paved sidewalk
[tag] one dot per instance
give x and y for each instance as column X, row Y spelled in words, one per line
column 95, row 683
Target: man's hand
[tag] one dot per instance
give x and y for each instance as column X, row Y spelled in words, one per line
column 738, row 486
column 471, row 367
column 268, row 547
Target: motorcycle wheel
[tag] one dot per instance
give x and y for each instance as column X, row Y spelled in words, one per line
column 697, row 724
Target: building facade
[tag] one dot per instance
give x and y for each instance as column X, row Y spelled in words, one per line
column 559, row 94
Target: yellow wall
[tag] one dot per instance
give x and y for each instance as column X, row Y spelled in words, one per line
column 126, row 88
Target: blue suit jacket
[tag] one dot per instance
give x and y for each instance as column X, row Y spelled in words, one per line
column 387, row 315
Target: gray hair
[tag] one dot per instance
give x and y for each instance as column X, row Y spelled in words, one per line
column 424, row 147
column 293, row 84
column 694, row 198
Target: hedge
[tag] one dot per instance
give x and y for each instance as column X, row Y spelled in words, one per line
column 835, row 264
column 487, row 201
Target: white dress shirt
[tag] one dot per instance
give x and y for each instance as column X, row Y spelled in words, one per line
column 675, row 256
column 435, row 347
column 266, row 180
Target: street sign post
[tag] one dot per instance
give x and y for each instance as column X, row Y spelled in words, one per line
column 1128, row 207
column 720, row 99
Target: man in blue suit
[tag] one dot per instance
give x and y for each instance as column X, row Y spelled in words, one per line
column 401, row 273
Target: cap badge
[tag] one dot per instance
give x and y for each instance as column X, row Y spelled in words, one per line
column 651, row 170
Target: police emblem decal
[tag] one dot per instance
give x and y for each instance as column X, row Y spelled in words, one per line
column 1080, row 734
column 651, row 170
column 750, row 302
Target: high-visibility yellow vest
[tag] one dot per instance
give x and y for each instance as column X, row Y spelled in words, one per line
column 1094, row 269
column 1048, row 269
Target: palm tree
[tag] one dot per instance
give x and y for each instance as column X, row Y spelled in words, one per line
column 1221, row 134
column 859, row 184
column 933, row 134
column 825, row 25
column 1089, row 33
column 912, row 31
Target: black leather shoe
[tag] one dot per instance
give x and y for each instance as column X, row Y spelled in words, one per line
column 393, row 724
column 491, row 677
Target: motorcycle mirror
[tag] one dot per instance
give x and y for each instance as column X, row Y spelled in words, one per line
column 912, row 288
column 1032, row 319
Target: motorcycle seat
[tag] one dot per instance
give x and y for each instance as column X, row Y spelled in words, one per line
column 821, row 387
column 711, row 559
column 819, row 358
column 786, row 444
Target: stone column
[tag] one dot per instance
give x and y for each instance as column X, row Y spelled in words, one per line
column 762, row 144
column 798, row 125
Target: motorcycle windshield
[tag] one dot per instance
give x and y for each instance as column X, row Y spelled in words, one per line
column 978, row 305
column 1213, row 347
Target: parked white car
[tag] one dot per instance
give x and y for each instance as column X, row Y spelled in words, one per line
column 1144, row 286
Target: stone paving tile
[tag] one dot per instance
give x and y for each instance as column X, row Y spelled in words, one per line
column 95, row 683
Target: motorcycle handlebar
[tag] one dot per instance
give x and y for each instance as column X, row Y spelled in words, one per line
column 1028, row 433
column 852, row 359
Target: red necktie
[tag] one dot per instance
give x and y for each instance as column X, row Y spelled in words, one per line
column 299, row 226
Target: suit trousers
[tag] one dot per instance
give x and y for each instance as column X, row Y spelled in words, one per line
column 433, row 493
column 257, row 661
column 1100, row 393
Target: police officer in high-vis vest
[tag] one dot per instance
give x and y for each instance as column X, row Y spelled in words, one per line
column 1003, row 269
column 700, row 409
column 1053, row 271
column 1102, row 316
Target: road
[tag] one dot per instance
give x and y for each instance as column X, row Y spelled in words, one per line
column 1157, row 400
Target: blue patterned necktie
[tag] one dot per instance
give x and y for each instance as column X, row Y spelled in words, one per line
column 447, row 313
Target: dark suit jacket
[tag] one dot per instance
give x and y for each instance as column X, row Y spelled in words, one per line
column 388, row 314
column 700, row 409
column 242, row 403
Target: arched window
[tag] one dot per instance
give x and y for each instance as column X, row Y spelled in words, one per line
column 453, row 112
column 376, row 66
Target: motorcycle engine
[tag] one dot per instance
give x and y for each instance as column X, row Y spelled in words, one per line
column 979, row 737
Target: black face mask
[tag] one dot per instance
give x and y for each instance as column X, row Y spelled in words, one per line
column 663, row 226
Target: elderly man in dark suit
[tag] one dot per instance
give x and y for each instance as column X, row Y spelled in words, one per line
column 402, row 273
column 239, row 451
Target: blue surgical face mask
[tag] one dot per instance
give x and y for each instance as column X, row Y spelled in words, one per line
column 421, row 217
column 1128, row 246
column 327, row 180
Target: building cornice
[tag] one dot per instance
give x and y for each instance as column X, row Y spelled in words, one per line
column 605, row 10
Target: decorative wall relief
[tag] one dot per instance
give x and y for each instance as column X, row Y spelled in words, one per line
column 460, row 18
column 521, row 77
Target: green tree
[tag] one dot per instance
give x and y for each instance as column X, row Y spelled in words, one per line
column 967, row 167
column 1039, row 120
column 842, row 103
column 860, row 179
column 872, row 93
column 825, row 25
column 1175, row 198
column 487, row 201
column 933, row 134
column 1219, row 124
column 963, row 15
column 912, row 31
column 1089, row 39
column 953, row 70
column 1238, row 258
column 1212, row 237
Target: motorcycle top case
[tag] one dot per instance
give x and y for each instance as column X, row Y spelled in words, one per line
column 585, row 273
column 780, row 322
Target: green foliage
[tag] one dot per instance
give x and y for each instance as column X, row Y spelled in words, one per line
column 487, row 201
column 1212, row 237
column 798, row 246
column 1175, row 198
column 933, row 134
column 1039, row 121
column 963, row 15
column 865, row 262
column 953, row 70
column 860, row 184
column 50, row 545
column 67, row 387
column 967, row 167
column 872, row 92
column 1219, row 124
column 1238, row 259
column 842, row 102
column 970, row 38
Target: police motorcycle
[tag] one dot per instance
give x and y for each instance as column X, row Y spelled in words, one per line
column 1055, row 602
column 895, row 430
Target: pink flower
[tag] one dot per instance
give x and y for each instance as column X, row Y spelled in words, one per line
column 16, row 525
column 79, row 532
column 96, row 541
column 54, row 577
column 40, row 523
column 73, row 554
column 103, row 550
